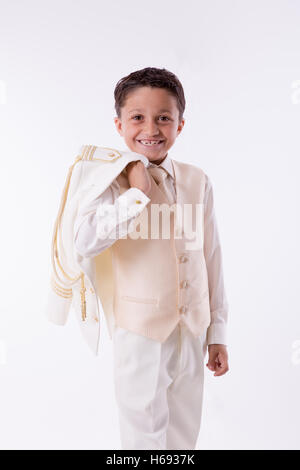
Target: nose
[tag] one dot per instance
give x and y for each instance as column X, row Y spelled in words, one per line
column 151, row 129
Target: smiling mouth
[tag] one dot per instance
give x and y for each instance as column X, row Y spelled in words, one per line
column 154, row 143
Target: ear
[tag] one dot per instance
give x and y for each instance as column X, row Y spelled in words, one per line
column 118, row 125
column 180, row 126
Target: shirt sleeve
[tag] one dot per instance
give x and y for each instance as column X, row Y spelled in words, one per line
column 216, row 333
column 107, row 218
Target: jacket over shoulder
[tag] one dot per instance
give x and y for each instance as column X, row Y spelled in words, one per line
column 93, row 171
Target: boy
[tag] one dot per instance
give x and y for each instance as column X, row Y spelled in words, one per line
column 162, row 329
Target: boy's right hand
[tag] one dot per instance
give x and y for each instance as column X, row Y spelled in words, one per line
column 138, row 176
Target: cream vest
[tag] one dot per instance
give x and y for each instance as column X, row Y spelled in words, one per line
column 149, row 284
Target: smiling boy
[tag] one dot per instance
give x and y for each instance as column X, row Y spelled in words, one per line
column 170, row 303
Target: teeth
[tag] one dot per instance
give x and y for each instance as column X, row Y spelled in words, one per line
column 152, row 142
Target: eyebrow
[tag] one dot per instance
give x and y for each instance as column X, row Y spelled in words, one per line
column 160, row 111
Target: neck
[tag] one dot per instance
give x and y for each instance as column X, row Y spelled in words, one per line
column 158, row 162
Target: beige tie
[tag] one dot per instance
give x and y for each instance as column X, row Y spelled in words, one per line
column 160, row 176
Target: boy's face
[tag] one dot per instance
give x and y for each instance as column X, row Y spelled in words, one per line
column 149, row 114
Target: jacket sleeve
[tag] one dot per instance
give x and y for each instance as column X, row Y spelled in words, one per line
column 216, row 333
column 107, row 218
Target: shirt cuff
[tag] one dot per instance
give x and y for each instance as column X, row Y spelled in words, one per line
column 126, row 208
column 135, row 201
column 134, row 197
column 217, row 334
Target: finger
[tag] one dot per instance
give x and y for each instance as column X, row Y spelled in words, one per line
column 219, row 364
column 221, row 370
column 211, row 365
column 221, row 359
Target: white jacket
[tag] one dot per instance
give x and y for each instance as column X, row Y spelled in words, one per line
column 72, row 275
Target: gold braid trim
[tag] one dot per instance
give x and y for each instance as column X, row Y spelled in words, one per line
column 87, row 154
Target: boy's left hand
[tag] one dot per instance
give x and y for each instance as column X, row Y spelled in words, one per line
column 217, row 359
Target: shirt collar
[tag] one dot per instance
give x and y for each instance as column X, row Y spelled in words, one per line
column 166, row 164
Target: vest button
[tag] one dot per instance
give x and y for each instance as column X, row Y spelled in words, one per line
column 183, row 309
column 183, row 259
column 184, row 284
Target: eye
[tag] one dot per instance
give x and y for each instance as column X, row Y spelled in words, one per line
column 139, row 115
column 165, row 117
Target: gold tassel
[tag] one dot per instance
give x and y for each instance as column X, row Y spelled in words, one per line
column 82, row 295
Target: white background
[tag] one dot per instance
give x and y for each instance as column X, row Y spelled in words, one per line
column 239, row 64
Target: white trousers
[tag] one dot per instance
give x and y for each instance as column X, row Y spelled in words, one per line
column 159, row 388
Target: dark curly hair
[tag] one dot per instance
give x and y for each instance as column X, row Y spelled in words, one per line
column 152, row 77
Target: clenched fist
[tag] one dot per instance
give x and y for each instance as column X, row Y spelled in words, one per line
column 138, row 176
column 218, row 359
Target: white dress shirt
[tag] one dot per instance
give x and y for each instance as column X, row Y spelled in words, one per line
column 91, row 220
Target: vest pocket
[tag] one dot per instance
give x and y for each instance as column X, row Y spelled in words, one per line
column 139, row 300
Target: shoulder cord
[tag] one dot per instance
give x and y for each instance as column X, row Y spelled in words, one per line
column 66, row 293
column 54, row 250
column 87, row 154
